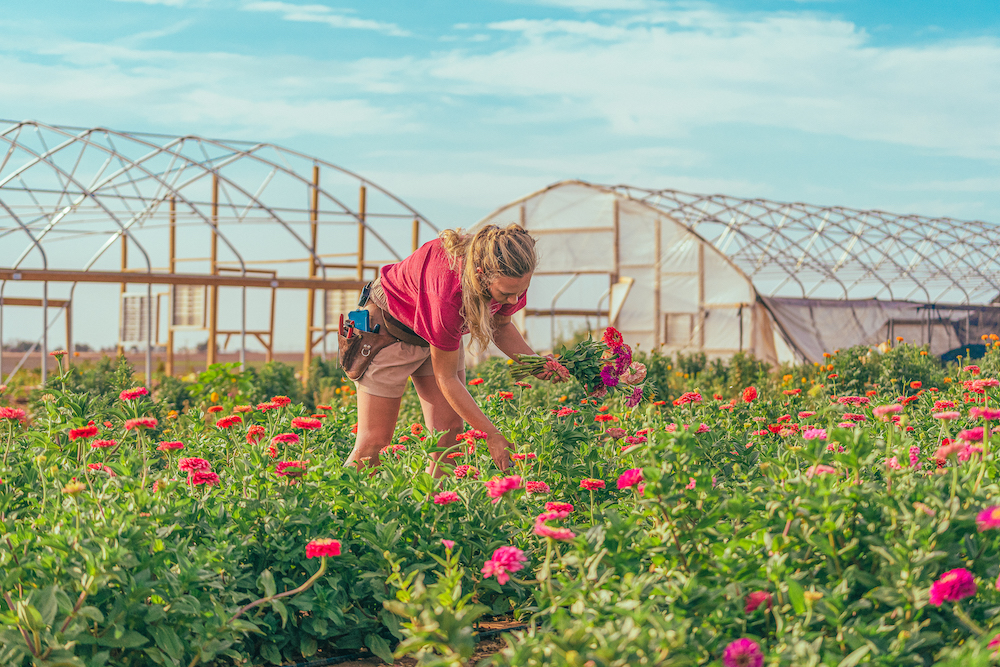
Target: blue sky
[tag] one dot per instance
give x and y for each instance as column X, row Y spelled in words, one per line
column 460, row 107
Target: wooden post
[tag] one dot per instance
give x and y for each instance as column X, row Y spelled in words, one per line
column 311, row 294
column 213, row 308
column 121, row 302
column 69, row 332
column 416, row 234
column 615, row 252
column 173, row 292
column 362, row 202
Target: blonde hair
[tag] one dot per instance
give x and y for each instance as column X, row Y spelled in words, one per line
column 506, row 252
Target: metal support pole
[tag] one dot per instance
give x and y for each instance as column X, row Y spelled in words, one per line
column 213, row 309
column 657, row 286
column 173, row 289
column 68, row 314
column 243, row 331
column 362, row 204
column 149, row 335
column 701, row 294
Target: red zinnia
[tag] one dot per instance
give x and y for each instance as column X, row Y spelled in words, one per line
column 291, row 468
column 280, row 400
column 167, row 446
column 306, row 423
column 83, row 432
column 193, row 464
column 754, row 600
column 537, row 487
column 749, row 394
column 612, row 337
column 592, row 484
column 14, row 414
column 324, row 407
column 103, row 444
column 255, row 433
column 231, row 420
column 476, row 381
column 505, row 395
column 215, row 408
column 323, row 547
column 264, row 407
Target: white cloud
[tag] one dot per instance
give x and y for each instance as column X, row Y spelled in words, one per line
column 323, row 14
column 167, row 3
column 597, row 5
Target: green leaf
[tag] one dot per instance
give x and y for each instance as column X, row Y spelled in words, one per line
column 308, row 646
column 271, row 653
column 131, row 639
column 168, row 641
column 796, row 596
column 855, row 657
column 45, row 601
column 266, row 581
column 279, row 607
column 379, row 647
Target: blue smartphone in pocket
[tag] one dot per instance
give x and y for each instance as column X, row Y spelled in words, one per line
column 360, row 318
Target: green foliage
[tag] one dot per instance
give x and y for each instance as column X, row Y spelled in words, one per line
column 276, row 379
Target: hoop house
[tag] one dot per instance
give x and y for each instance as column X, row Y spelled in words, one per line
column 214, row 222
column 718, row 274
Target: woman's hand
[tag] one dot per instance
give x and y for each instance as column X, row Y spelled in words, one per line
column 500, row 449
column 553, row 371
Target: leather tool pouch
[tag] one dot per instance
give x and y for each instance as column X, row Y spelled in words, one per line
column 356, row 352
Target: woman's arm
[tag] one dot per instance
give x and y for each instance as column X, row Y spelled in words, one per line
column 508, row 338
column 445, row 365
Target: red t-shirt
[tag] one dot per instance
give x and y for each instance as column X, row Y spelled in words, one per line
column 425, row 293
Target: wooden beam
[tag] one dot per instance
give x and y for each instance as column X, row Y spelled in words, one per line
column 311, row 294
column 18, row 301
column 569, row 312
column 40, row 275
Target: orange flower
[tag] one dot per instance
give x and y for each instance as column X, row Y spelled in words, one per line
column 916, row 384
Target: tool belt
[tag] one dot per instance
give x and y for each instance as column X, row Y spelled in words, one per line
column 356, row 348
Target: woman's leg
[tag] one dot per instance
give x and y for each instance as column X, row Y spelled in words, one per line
column 376, row 423
column 438, row 416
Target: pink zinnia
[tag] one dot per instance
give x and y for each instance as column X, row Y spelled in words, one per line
column 616, row 433
column 100, row 467
column 754, row 600
column 989, row 518
column 448, row 544
column 264, row 407
column 14, row 414
column 323, row 547
column 504, row 561
column 466, row 471
column 201, row 477
column 280, row 400
column 949, row 448
column 193, row 464
column 145, row 422
column 988, row 414
column 971, row 435
column 285, row 438
column 914, row 456
column 629, row 478
column 446, row 498
column 591, row 484
column 255, row 433
column 883, row 410
column 814, row 434
column 743, row 653
column 536, row 487
column 948, row 415
column 167, row 446
column 953, row 585
column 306, row 423
column 103, row 444
column 133, row 393
column 543, row 530
column 291, row 468
column 498, row 486
column 553, row 506
column 703, row 429
column 806, row 415
column 820, row 469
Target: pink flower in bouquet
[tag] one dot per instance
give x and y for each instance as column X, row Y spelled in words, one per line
column 608, row 377
column 612, row 338
column 103, row 444
column 623, row 359
column 914, row 456
column 504, row 561
column 556, row 371
column 953, row 585
column 629, row 478
column 636, row 397
column 635, row 373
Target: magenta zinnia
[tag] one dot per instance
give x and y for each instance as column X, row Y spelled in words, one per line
column 446, row 498
column 953, row 585
column 989, row 518
column 324, row 546
column 743, row 653
column 504, row 561
column 498, row 486
column 629, row 478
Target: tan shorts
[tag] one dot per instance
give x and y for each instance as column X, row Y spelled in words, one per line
column 395, row 364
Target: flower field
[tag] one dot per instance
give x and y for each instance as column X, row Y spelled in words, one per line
column 831, row 514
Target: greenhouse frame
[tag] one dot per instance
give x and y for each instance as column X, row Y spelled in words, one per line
column 682, row 272
column 219, row 227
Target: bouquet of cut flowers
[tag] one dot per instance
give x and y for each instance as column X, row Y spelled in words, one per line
column 602, row 367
